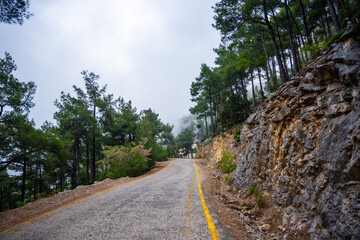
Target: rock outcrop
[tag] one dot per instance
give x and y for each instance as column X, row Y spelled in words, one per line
column 303, row 146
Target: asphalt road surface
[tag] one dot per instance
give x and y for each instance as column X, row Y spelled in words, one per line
column 166, row 205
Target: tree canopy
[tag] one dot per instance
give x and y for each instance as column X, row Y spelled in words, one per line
column 14, row 11
column 263, row 44
column 90, row 124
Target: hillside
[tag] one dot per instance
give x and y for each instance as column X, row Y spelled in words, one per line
column 302, row 147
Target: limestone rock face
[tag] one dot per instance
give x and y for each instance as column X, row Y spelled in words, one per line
column 303, row 146
column 212, row 148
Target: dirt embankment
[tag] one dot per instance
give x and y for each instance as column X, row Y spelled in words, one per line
column 239, row 211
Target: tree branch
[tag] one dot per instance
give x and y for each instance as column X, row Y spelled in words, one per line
column 2, row 168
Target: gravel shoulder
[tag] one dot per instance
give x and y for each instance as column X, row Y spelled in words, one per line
column 14, row 217
column 238, row 210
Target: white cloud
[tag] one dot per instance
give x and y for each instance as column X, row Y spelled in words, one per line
column 146, row 51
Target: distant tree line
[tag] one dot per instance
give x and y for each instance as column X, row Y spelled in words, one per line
column 69, row 153
column 89, row 125
column 264, row 41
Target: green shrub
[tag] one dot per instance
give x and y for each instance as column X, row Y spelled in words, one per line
column 158, row 154
column 201, row 156
column 53, row 192
column 229, row 179
column 237, row 132
column 232, row 168
column 129, row 161
column 335, row 38
column 251, row 189
column 226, row 163
column 256, row 190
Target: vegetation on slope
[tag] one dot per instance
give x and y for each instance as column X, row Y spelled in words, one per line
column 264, row 43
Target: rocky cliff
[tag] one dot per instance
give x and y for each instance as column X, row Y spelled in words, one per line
column 303, row 146
column 212, row 148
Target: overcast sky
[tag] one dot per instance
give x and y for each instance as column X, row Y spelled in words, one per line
column 146, row 51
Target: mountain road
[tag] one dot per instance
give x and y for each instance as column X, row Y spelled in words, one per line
column 166, row 205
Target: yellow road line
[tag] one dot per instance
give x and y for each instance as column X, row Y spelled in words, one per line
column 187, row 228
column 209, row 220
column 80, row 200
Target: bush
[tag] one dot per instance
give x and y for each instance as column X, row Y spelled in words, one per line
column 125, row 161
column 229, row 179
column 158, row 154
column 237, row 132
column 201, row 156
column 226, row 163
column 256, row 190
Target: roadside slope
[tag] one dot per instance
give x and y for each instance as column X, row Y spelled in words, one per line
column 301, row 148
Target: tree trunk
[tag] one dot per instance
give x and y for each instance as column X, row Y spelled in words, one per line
column 303, row 15
column 267, row 67
column 215, row 105
column 339, row 6
column 261, row 87
column 301, row 54
column 243, row 90
column 78, row 156
column 280, row 42
column 87, row 162
column 211, row 113
column 10, row 201
column 292, row 43
column 35, row 180
column 291, row 64
column 284, row 76
column 1, row 197
column 327, row 23
column 61, row 182
column 40, row 180
column 23, row 181
column 324, row 28
column 73, row 173
column 174, row 151
column 267, row 74
column 206, row 124
column 93, row 169
column 62, row 173
column 273, row 61
column 297, row 26
column 334, row 16
column 252, row 86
